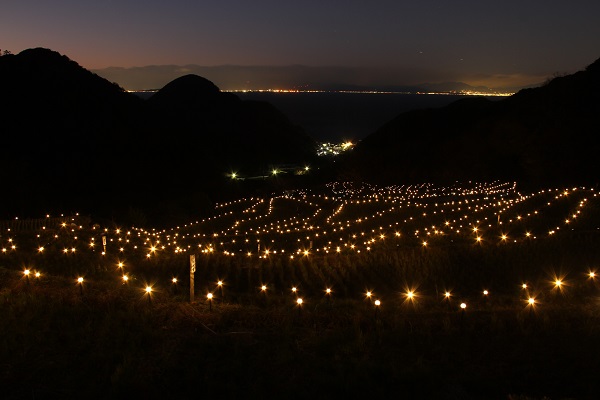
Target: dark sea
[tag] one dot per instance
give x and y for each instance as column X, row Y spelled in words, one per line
column 342, row 116
column 336, row 117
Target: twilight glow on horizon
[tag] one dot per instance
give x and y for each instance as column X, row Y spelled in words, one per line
column 480, row 43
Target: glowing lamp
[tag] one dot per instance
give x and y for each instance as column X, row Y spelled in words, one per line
column 558, row 283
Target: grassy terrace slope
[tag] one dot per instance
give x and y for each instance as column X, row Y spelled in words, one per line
column 107, row 338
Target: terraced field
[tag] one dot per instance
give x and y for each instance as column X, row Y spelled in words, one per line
column 345, row 237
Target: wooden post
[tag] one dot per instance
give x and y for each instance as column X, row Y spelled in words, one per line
column 192, row 272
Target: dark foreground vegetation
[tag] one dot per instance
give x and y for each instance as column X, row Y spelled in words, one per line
column 107, row 339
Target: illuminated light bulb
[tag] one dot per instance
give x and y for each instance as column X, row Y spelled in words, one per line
column 299, row 301
column 148, row 289
column 377, row 303
column 447, row 294
column 328, row 291
column 26, row 272
column 369, row 294
column 220, row 283
column 209, row 296
column 40, row 249
column 263, row 288
column 531, row 301
column 174, row 280
column 294, row 289
column 37, row 274
column 125, row 278
column 524, row 286
column 485, row 292
column 80, row 280
column 558, row 283
column 463, row 305
column 592, row 274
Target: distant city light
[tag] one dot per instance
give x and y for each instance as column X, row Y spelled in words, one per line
column 333, row 149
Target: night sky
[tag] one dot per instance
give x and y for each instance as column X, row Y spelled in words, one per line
column 478, row 42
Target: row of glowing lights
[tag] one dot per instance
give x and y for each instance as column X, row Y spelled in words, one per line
column 419, row 191
column 237, row 222
column 274, row 172
column 278, row 227
column 409, row 295
column 380, row 213
column 452, row 93
column 210, row 249
column 481, row 188
column 503, row 237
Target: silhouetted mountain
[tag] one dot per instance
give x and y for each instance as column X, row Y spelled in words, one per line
column 537, row 136
column 73, row 140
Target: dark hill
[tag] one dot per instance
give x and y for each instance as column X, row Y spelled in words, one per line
column 188, row 91
column 63, row 130
column 74, row 141
column 540, row 136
